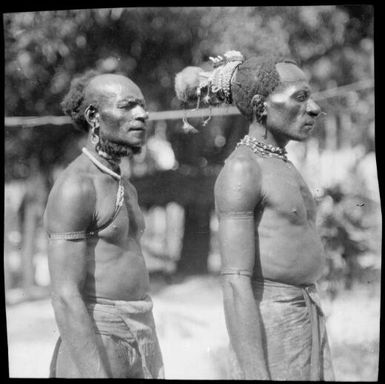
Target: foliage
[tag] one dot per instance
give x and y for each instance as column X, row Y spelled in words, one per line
column 44, row 50
column 348, row 229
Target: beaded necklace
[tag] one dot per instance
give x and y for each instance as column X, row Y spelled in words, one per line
column 263, row 149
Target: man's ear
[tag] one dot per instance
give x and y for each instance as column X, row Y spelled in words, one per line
column 259, row 104
column 257, row 99
column 91, row 115
column 259, row 108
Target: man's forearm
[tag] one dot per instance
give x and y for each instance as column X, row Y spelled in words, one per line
column 77, row 333
column 244, row 327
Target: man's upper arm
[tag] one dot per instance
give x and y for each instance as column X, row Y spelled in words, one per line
column 70, row 208
column 70, row 205
column 237, row 193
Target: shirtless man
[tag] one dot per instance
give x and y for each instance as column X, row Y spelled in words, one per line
column 99, row 279
column 271, row 252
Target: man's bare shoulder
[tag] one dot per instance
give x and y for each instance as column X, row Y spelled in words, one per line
column 238, row 185
column 71, row 202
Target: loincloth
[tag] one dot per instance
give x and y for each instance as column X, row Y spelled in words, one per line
column 127, row 321
column 294, row 335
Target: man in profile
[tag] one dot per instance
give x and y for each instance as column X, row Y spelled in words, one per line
column 271, row 252
column 99, row 279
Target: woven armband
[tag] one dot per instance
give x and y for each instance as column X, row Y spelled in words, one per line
column 235, row 271
column 70, row 235
column 237, row 215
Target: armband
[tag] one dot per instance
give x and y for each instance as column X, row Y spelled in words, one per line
column 235, row 271
column 70, row 235
column 237, row 215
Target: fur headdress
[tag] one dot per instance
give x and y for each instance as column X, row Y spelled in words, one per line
column 195, row 85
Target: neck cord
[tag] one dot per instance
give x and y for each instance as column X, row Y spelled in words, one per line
column 262, row 148
column 100, row 165
column 109, row 158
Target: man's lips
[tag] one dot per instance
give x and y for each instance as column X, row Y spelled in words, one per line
column 137, row 127
column 309, row 124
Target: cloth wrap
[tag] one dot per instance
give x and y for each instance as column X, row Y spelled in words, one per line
column 294, row 335
column 129, row 324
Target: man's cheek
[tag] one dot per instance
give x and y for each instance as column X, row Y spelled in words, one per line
column 111, row 121
column 294, row 113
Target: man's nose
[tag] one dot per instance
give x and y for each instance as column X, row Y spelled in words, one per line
column 140, row 113
column 313, row 108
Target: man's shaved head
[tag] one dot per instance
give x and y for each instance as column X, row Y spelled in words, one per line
column 92, row 88
column 108, row 86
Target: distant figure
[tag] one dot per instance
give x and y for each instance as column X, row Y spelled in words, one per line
column 271, row 252
column 99, row 279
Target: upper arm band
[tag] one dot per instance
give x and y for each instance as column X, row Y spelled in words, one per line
column 237, row 215
column 71, row 235
column 235, row 271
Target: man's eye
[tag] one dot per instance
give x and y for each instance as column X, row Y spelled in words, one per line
column 130, row 105
column 126, row 105
column 301, row 97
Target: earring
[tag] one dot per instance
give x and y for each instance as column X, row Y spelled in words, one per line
column 94, row 135
column 265, row 134
column 263, row 117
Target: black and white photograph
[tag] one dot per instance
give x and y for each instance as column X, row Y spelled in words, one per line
column 192, row 193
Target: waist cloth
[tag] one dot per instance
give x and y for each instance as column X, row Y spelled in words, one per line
column 294, row 336
column 130, row 322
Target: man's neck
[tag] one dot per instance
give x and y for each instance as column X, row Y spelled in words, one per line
column 104, row 158
column 264, row 135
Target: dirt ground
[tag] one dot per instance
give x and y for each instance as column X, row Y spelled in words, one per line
column 192, row 332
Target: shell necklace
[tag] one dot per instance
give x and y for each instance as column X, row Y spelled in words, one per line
column 263, row 149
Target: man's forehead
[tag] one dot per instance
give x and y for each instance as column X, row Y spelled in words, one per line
column 292, row 79
column 289, row 72
column 115, row 85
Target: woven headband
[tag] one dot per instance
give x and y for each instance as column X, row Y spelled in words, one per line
column 220, row 79
column 217, row 82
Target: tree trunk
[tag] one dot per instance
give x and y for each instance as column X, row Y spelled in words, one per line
column 196, row 240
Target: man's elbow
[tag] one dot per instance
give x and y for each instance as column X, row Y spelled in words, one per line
column 64, row 298
column 235, row 286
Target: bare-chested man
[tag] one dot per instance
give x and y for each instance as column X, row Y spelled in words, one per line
column 99, row 279
column 271, row 252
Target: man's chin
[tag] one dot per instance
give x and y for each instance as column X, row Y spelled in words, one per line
column 300, row 137
column 118, row 150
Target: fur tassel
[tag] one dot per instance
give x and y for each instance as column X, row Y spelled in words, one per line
column 186, row 84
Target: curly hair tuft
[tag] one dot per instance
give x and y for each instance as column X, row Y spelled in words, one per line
column 73, row 103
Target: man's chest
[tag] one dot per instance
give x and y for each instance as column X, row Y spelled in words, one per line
column 286, row 193
column 134, row 213
column 128, row 220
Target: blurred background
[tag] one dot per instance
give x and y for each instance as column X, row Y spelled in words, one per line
column 176, row 171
